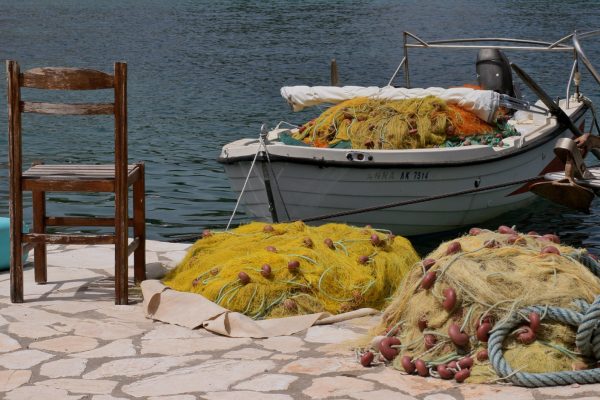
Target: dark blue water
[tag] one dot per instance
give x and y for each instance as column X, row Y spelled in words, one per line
column 203, row 73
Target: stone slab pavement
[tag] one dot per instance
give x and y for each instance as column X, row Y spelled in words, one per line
column 69, row 341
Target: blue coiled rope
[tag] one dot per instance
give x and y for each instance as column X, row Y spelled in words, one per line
column 587, row 321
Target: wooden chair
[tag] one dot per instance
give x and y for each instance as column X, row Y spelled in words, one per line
column 42, row 178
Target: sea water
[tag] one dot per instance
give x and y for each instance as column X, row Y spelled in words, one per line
column 204, row 73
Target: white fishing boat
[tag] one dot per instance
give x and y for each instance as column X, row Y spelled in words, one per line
column 411, row 191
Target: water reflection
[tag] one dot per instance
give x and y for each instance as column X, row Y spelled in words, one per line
column 203, row 73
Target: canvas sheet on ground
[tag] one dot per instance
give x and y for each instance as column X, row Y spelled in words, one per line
column 193, row 311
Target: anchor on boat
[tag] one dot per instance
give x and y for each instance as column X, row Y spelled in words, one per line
column 577, row 186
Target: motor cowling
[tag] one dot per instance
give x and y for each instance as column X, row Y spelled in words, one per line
column 494, row 72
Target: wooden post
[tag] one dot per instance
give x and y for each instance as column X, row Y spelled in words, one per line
column 334, row 73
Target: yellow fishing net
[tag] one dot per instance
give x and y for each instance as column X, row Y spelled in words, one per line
column 491, row 275
column 277, row 270
column 391, row 124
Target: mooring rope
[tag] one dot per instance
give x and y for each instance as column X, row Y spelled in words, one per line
column 261, row 145
column 587, row 340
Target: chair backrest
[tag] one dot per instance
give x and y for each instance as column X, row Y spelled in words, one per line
column 67, row 79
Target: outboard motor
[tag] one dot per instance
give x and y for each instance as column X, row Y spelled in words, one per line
column 494, row 72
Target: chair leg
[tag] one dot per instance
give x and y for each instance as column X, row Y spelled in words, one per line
column 121, row 271
column 121, row 244
column 139, row 227
column 39, row 226
column 16, row 248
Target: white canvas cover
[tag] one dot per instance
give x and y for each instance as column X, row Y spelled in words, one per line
column 483, row 103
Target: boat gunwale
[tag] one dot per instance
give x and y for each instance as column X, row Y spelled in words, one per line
column 552, row 134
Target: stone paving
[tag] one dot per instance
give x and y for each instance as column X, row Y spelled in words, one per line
column 69, row 341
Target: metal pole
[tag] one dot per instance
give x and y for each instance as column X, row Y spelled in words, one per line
column 396, row 71
column 406, row 73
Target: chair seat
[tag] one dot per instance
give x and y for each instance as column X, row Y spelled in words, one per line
column 75, row 177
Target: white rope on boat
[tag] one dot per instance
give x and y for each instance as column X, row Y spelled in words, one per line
column 258, row 150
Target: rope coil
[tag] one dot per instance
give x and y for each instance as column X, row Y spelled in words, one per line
column 587, row 339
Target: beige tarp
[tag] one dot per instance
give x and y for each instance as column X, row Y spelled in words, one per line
column 194, row 311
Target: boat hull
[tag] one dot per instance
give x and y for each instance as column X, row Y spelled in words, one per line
column 290, row 189
column 344, row 189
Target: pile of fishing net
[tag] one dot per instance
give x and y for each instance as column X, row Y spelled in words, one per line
column 364, row 123
column 482, row 284
column 266, row 271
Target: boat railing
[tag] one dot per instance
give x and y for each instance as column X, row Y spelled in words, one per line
column 412, row 41
column 576, row 36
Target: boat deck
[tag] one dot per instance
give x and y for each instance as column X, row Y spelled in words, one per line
column 69, row 341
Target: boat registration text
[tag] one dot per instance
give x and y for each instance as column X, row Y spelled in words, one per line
column 398, row 176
